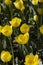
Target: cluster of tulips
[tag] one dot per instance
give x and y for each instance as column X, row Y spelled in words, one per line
column 23, row 26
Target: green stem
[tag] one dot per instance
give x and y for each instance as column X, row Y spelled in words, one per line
column 24, row 49
column 6, row 63
column 41, row 20
column 12, row 49
column 11, row 13
column 16, row 60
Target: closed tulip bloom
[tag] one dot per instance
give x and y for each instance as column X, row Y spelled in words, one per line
column 35, row 18
column 25, row 28
column 34, row 2
column 6, row 56
column 41, row 1
column 41, row 29
column 7, row 30
column 31, row 60
column 15, row 22
column 40, row 10
column 19, row 5
column 1, row 29
column 7, row 2
column 22, row 39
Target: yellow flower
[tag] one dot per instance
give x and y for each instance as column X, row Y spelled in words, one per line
column 15, row 22
column 6, row 56
column 19, row 5
column 22, row 39
column 41, row 29
column 7, row 30
column 24, row 28
column 41, row 1
column 34, row 2
column 35, row 18
column 1, row 29
column 31, row 60
column 40, row 10
column 7, row 2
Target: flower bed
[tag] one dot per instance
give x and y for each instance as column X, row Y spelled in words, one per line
column 21, row 32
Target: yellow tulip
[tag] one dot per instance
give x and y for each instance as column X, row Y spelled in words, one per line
column 1, row 29
column 31, row 60
column 19, row 5
column 7, row 30
column 41, row 29
column 40, row 10
column 22, row 39
column 41, row 1
column 24, row 28
column 34, row 2
column 15, row 22
column 35, row 18
column 7, row 2
column 6, row 56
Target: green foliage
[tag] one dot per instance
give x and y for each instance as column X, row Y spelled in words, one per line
column 35, row 44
